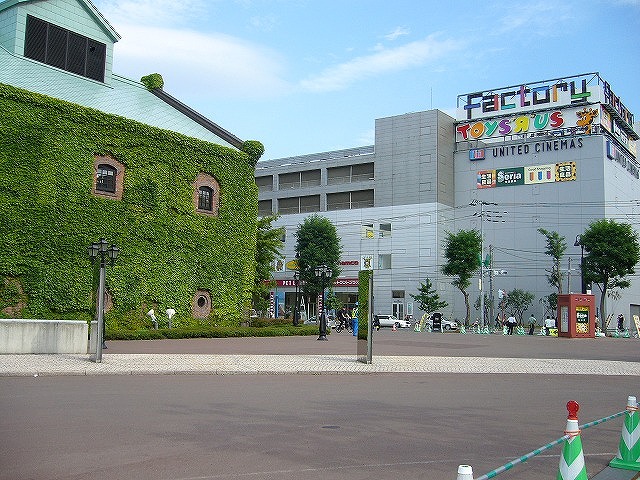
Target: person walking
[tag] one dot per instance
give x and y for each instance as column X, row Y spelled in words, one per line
column 532, row 324
column 511, row 323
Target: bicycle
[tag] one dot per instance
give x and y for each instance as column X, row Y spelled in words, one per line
column 340, row 327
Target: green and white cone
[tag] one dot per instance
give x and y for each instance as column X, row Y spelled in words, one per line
column 572, row 465
column 628, row 456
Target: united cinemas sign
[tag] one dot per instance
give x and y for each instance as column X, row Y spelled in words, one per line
column 545, row 95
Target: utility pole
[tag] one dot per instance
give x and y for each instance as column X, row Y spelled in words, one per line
column 481, row 266
column 569, row 277
column 475, row 202
column 490, row 285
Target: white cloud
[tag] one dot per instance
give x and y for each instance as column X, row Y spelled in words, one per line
column 150, row 12
column 398, row 32
column 209, row 64
column 537, row 19
column 413, row 54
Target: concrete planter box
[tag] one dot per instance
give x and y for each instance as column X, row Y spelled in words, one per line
column 43, row 336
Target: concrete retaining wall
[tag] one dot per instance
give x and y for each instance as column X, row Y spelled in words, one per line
column 43, row 336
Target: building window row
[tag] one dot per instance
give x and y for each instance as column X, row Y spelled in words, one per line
column 350, row 200
column 311, row 203
column 109, row 181
column 313, row 178
column 350, row 174
column 305, row 179
column 306, row 204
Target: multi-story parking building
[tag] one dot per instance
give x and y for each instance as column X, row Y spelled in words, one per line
column 556, row 154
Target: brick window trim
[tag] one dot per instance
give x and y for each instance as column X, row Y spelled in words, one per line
column 201, row 304
column 100, row 160
column 206, row 180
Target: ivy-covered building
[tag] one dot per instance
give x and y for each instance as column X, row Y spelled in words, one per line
column 88, row 154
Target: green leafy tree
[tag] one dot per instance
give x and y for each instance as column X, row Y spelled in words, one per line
column 317, row 244
column 612, row 252
column 268, row 248
column 332, row 301
column 556, row 246
column 428, row 299
column 518, row 301
column 461, row 252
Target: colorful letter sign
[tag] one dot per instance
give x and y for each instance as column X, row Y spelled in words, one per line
column 533, row 174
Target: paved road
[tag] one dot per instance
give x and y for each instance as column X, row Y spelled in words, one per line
column 383, row 425
column 401, row 342
column 297, row 427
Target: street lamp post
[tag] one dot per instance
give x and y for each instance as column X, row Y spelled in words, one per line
column 323, row 272
column 104, row 251
column 578, row 243
column 296, row 281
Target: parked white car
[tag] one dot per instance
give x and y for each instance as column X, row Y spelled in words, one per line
column 390, row 321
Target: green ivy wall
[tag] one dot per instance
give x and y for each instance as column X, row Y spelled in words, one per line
column 48, row 215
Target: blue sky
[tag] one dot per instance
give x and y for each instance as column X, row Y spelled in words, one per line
column 306, row 76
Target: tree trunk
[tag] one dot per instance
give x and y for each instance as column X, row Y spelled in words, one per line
column 466, row 304
column 603, row 313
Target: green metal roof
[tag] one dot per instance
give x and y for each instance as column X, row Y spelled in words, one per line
column 120, row 96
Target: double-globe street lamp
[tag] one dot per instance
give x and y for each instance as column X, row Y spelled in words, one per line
column 103, row 250
column 323, row 273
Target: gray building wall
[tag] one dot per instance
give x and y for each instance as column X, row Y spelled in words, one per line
column 413, row 159
column 424, row 184
column 513, row 214
column 412, row 183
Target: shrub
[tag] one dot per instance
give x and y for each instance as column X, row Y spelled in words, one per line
column 212, row 332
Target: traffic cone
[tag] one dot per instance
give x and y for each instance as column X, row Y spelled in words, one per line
column 628, row 456
column 465, row 472
column 394, row 327
column 572, row 465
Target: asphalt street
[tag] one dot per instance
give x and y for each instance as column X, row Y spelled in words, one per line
column 313, row 426
column 400, row 342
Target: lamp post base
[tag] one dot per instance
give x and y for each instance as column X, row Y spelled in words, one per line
column 323, row 337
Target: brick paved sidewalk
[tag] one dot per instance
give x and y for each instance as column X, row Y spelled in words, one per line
column 160, row 364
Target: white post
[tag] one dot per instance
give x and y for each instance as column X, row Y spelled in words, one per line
column 465, row 472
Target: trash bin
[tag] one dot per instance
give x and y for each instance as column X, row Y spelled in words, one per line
column 355, row 326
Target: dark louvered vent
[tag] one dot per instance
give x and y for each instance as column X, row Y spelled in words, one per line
column 96, row 55
column 64, row 49
column 36, row 42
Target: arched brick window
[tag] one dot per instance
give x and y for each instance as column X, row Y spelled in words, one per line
column 205, row 197
column 206, row 194
column 108, row 177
